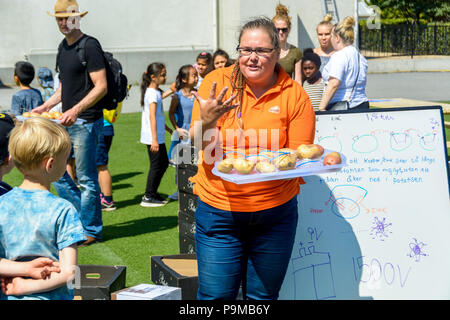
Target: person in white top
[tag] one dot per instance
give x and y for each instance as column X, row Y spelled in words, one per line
column 345, row 75
column 153, row 127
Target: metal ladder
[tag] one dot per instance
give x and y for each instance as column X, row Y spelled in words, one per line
column 329, row 7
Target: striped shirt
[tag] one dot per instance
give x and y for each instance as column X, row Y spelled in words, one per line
column 315, row 92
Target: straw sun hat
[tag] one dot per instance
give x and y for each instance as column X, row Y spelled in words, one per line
column 67, row 8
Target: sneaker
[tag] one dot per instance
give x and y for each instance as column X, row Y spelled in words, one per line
column 149, row 202
column 108, row 206
column 174, row 196
column 158, row 197
column 172, row 164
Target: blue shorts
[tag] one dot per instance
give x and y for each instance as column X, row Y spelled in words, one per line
column 104, row 145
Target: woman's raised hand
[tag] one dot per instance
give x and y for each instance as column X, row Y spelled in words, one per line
column 213, row 108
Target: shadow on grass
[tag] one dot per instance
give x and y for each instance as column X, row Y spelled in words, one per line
column 122, row 186
column 138, row 227
column 134, row 201
column 123, row 176
column 129, row 202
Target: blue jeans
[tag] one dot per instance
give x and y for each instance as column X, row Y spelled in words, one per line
column 249, row 247
column 84, row 139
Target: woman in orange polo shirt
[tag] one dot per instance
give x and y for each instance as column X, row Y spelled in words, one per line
column 245, row 233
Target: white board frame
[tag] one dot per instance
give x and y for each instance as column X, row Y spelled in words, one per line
column 335, row 258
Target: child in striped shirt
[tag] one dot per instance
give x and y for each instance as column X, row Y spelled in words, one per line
column 313, row 82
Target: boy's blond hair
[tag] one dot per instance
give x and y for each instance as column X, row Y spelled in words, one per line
column 36, row 139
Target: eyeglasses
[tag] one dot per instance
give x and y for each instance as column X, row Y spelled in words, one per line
column 283, row 30
column 262, row 52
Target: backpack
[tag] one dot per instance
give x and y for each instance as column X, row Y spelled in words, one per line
column 117, row 81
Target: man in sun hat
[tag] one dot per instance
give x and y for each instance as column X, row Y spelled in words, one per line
column 79, row 95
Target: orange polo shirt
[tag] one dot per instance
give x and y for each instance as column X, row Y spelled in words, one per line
column 282, row 117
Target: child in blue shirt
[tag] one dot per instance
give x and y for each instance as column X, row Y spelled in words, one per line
column 27, row 98
column 180, row 111
column 45, row 79
column 36, row 222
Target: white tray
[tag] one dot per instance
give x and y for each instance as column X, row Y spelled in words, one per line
column 78, row 121
column 305, row 167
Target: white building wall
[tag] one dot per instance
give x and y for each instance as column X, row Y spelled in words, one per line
column 141, row 31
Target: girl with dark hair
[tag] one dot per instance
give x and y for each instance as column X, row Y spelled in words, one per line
column 313, row 83
column 204, row 65
column 153, row 129
column 181, row 110
column 221, row 59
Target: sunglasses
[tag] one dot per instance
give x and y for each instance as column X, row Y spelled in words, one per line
column 283, row 30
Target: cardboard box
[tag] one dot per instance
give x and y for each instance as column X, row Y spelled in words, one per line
column 96, row 282
column 186, row 224
column 176, row 271
column 187, row 244
column 187, row 202
column 145, row 291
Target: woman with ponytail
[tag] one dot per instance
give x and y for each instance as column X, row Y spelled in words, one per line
column 325, row 48
column 245, row 233
column 345, row 75
column 290, row 56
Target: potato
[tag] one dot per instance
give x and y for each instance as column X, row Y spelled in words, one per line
column 285, row 161
column 225, row 165
column 265, row 167
column 243, row 166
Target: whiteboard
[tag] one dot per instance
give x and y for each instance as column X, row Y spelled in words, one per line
column 379, row 228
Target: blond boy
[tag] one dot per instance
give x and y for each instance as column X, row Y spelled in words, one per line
column 33, row 221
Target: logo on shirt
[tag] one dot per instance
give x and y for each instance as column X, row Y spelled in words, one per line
column 275, row 109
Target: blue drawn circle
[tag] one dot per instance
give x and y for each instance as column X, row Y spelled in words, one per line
column 331, row 146
column 359, row 140
column 337, row 212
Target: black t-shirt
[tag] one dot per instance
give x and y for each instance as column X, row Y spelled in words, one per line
column 72, row 75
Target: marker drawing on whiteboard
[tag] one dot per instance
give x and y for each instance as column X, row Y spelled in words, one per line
column 330, row 142
column 366, row 143
column 313, row 270
column 428, row 141
column 416, row 250
column 345, row 200
column 380, row 229
column 400, row 141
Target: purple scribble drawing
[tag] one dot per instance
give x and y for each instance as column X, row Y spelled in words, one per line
column 416, row 250
column 380, row 230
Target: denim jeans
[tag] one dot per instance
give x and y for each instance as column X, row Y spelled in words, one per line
column 84, row 139
column 253, row 248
